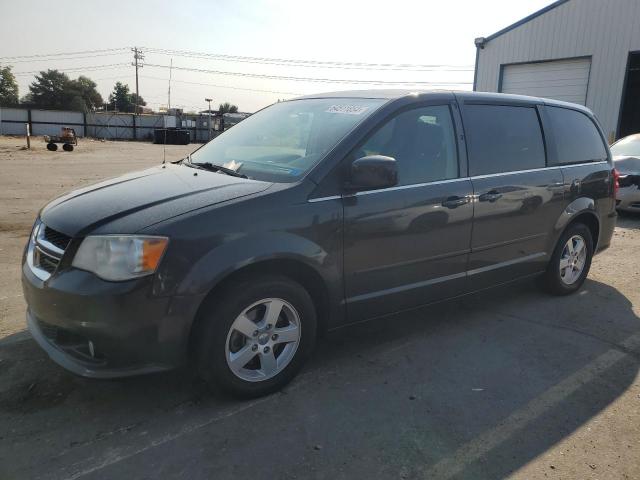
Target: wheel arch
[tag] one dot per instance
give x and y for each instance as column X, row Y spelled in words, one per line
column 295, row 269
column 582, row 210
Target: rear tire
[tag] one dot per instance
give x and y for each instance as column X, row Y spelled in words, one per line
column 570, row 262
column 67, row 147
column 255, row 334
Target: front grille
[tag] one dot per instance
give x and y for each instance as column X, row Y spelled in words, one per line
column 48, row 249
column 46, row 262
column 60, row 240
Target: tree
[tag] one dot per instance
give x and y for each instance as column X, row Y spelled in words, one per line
column 85, row 94
column 120, row 98
column 54, row 89
column 51, row 90
column 226, row 107
column 8, row 87
column 141, row 103
column 124, row 101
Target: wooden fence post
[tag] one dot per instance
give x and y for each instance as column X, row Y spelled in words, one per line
column 135, row 128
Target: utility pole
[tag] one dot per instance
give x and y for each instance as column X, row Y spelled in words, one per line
column 169, row 92
column 138, row 58
column 209, row 122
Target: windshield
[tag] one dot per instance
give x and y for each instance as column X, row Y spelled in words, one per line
column 284, row 141
column 627, row 147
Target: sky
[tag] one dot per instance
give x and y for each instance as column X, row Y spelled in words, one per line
column 429, row 44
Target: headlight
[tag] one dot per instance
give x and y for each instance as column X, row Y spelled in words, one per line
column 120, row 257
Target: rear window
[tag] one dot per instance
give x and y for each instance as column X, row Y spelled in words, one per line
column 576, row 136
column 503, row 139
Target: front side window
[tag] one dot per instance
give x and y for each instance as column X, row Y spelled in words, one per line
column 577, row 139
column 284, row 141
column 421, row 140
column 503, row 139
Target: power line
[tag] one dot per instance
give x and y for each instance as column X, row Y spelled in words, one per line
column 67, row 58
column 222, row 86
column 115, row 77
column 248, row 59
column 313, row 63
column 91, row 68
column 407, row 67
column 58, row 54
column 310, row 79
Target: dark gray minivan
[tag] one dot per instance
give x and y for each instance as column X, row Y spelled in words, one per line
column 310, row 215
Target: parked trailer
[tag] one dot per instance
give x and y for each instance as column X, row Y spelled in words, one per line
column 67, row 138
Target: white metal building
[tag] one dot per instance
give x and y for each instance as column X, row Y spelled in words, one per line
column 581, row 51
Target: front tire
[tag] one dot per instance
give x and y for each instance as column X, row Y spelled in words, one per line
column 255, row 335
column 570, row 262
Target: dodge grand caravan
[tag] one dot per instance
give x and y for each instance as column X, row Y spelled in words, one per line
column 309, row 215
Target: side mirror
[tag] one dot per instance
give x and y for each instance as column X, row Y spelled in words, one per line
column 373, row 172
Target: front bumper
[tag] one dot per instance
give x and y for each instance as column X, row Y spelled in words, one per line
column 77, row 357
column 101, row 329
column 628, row 199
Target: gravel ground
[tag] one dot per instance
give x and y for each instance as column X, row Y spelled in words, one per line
column 510, row 383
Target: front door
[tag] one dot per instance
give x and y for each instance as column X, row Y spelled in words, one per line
column 408, row 245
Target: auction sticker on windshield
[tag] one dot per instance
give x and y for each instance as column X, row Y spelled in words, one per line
column 347, row 109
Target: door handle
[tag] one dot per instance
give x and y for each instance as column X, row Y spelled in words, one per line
column 456, row 201
column 490, row 196
column 576, row 186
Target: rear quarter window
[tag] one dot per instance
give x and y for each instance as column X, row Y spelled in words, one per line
column 576, row 137
column 503, row 139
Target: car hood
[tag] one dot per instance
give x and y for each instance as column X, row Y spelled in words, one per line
column 137, row 200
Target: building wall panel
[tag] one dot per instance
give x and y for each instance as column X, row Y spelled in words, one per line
column 12, row 121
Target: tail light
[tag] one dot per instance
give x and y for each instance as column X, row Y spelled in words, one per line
column 616, row 182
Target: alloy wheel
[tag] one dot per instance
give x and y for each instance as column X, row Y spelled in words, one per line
column 263, row 339
column 573, row 259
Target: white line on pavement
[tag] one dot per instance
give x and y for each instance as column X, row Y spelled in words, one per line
column 454, row 464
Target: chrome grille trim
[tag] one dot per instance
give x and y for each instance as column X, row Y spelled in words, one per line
column 43, row 256
column 49, row 248
column 45, row 261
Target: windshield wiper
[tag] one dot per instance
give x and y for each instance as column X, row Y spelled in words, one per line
column 214, row 168
column 219, row 168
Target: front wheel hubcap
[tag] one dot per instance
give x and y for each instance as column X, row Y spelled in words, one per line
column 263, row 339
column 573, row 259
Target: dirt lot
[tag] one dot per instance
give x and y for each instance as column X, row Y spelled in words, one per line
column 512, row 383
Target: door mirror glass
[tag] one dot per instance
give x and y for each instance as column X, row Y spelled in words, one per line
column 373, row 172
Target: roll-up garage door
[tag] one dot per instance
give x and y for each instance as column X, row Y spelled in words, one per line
column 565, row 80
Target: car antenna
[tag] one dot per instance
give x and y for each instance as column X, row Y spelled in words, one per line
column 164, row 144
